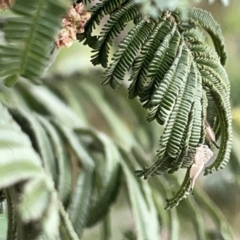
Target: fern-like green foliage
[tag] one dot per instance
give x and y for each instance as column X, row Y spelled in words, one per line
column 179, row 78
column 29, row 188
column 29, row 36
column 81, row 169
column 59, row 174
column 54, row 188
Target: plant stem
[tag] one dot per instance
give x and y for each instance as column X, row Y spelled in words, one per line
column 106, row 228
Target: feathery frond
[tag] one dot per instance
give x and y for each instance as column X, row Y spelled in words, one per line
column 29, row 188
column 61, row 175
column 29, row 39
column 177, row 75
column 94, row 157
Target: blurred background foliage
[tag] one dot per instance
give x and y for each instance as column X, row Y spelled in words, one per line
column 224, row 186
column 73, row 64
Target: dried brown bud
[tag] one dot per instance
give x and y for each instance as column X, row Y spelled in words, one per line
column 5, row 4
column 73, row 23
column 210, row 134
column 85, row 15
column 66, row 22
column 202, row 156
column 66, row 37
column 72, row 15
column 79, row 8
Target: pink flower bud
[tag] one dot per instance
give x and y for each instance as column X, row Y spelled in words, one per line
column 73, row 23
column 73, row 15
column 79, row 8
column 66, row 22
column 5, row 4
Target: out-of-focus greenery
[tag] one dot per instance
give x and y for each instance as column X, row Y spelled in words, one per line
column 88, row 95
column 224, row 181
column 150, row 7
column 229, row 200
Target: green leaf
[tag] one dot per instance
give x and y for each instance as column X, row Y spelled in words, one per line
column 142, row 203
column 197, row 220
column 124, row 56
column 12, row 218
column 21, row 166
column 62, row 158
column 98, row 11
column 113, row 27
column 40, row 141
column 30, row 35
column 173, row 225
column 206, row 21
column 181, row 193
column 173, row 69
column 66, row 229
column 212, row 210
column 109, row 185
column 57, row 109
column 80, row 204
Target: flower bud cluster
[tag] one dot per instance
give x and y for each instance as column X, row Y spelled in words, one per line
column 5, row 4
column 72, row 23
